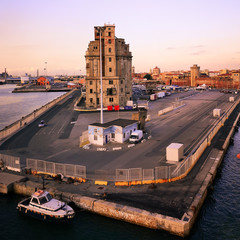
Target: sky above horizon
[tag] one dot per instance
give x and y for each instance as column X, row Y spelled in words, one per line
column 170, row 34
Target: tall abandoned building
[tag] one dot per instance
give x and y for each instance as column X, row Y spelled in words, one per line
column 116, row 69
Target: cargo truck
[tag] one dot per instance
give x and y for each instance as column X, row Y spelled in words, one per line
column 136, row 136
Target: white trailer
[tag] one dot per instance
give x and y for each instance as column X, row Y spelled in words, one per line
column 160, row 94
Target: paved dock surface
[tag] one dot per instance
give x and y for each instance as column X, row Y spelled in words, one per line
column 7, row 179
column 57, row 143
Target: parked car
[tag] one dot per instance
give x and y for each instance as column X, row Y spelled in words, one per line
column 42, row 124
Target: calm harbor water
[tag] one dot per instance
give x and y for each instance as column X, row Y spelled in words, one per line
column 219, row 218
column 13, row 106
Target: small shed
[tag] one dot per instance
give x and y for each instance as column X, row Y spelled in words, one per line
column 118, row 130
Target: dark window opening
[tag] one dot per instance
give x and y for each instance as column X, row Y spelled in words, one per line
column 90, row 82
column 110, row 59
column 110, row 50
column 91, row 91
column 109, row 34
column 110, row 81
column 111, row 91
column 109, row 41
column 91, row 100
column 110, row 69
column 110, row 99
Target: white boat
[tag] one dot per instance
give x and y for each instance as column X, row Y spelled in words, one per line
column 42, row 206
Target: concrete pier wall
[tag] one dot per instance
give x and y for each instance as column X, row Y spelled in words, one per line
column 16, row 126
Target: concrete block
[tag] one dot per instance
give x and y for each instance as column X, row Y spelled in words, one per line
column 216, row 112
column 174, row 152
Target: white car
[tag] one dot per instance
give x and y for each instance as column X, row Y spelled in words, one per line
column 42, row 124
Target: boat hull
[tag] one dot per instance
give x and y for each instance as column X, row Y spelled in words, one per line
column 45, row 217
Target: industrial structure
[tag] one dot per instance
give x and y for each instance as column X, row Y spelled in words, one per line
column 116, row 72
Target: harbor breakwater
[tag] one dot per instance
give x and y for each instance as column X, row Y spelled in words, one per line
column 24, row 121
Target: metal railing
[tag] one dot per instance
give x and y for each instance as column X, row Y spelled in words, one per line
column 51, row 168
column 11, row 162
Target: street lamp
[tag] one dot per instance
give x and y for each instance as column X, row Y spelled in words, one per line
column 45, row 69
column 100, row 29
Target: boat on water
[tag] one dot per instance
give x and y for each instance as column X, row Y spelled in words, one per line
column 43, row 206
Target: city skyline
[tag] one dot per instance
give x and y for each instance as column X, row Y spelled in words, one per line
column 172, row 35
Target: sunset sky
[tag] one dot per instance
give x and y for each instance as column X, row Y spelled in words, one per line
column 170, row 34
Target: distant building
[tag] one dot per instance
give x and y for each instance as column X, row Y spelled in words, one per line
column 156, row 73
column 195, row 73
column 116, row 69
column 118, row 130
column 43, row 81
column 25, row 79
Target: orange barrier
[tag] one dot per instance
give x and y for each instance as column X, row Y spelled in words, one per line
column 121, row 183
column 135, row 183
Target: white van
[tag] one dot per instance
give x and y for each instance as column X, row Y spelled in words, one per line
column 136, row 136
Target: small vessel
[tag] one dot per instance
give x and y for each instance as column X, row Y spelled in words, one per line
column 42, row 205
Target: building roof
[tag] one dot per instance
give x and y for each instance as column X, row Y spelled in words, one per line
column 118, row 122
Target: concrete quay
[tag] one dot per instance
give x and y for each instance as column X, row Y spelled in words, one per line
column 172, row 206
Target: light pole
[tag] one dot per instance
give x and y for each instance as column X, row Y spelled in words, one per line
column 101, row 83
column 45, row 69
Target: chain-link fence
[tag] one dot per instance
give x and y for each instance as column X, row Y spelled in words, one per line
column 10, row 162
column 68, row 170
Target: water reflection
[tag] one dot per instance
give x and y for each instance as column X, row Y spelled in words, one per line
column 14, row 106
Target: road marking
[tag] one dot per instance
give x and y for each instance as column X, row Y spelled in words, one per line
column 53, row 155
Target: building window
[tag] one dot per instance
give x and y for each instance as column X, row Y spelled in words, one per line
column 109, row 28
column 109, row 41
column 91, row 91
column 91, row 100
column 113, row 135
column 110, row 81
column 124, row 135
column 95, row 137
column 110, row 99
column 111, row 91
column 109, row 50
column 121, row 89
column 90, row 82
column 110, row 69
column 109, row 34
column 121, row 81
column 110, row 59
column 95, row 130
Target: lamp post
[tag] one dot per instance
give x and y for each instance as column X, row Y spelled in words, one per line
column 101, row 82
column 45, row 69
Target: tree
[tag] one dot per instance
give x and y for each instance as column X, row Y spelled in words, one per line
column 148, row 76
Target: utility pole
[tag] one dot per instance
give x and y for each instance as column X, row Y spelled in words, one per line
column 101, row 82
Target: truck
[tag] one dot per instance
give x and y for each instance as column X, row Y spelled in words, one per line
column 136, row 136
column 153, row 97
column 160, row 94
column 131, row 104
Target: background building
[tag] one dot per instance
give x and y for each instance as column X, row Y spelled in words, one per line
column 195, row 73
column 116, row 69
